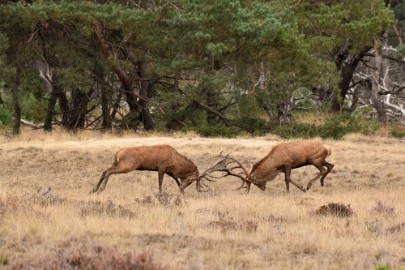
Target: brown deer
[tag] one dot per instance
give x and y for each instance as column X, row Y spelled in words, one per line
column 285, row 157
column 161, row 158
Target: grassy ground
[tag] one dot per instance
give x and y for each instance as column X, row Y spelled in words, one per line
column 130, row 223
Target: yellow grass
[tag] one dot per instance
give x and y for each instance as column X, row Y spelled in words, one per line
column 219, row 229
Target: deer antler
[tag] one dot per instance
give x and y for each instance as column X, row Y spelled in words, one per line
column 222, row 165
column 239, row 166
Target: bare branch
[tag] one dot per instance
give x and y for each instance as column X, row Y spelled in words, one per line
column 30, row 124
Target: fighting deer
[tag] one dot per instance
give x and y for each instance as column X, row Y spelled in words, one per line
column 161, row 158
column 284, row 157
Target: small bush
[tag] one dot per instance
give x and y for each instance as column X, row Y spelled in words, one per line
column 382, row 208
column 44, row 196
column 162, row 198
column 95, row 257
column 296, row 130
column 335, row 209
column 255, row 126
column 33, row 108
column 375, row 226
column 399, row 228
column 3, row 260
column 397, row 132
column 230, row 225
column 335, row 127
column 8, row 204
column 105, row 208
column 380, row 266
column 216, row 131
column 5, row 116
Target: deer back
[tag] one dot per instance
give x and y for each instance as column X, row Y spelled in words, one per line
column 146, row 157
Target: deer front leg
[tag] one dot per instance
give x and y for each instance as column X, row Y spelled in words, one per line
column 175, row 179
column 161, row 174
column 329, row 168
column 248, row 187
column 180, row 184
column 287, row 179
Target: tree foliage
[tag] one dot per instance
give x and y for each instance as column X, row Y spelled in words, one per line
column 179, row 64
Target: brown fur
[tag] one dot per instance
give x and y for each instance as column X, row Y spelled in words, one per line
column 287, row 156
column 161, row 158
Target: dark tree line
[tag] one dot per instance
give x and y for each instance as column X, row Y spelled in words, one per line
column 179, row 64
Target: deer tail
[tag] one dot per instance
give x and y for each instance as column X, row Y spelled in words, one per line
column 328, row 149
column 116, row 160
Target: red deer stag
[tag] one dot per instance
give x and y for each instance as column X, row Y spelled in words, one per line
column 161, row 158
column 283, row 158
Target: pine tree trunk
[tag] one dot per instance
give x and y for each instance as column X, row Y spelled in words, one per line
column 77, row 114
column 133, row 104
column 145, row 92
column 105, row 108
column 63, row 104
column 212, row 103
column 269, row 110
column 106, row 123
column 16, row 101
column 376, row 83
column 50, row 112
column 346, row 64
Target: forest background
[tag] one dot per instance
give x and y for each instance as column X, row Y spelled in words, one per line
column 173, row 72
column 214, row 67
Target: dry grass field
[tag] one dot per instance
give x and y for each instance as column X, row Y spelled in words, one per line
column 48, row 220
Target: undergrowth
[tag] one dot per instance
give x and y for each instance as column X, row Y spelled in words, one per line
column 94, row 257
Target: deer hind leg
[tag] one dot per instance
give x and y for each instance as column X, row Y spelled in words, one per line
column 329, row 167
column 99, row 183
column 287, row 173
column 113, row 170
column 322, row 172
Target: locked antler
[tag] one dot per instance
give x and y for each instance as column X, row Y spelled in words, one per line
column 227, row 164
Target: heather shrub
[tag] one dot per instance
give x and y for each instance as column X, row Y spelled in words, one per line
column 382, row 208
column 108, row 208
column 335, row 209
column 162, row 198
column 95, row 257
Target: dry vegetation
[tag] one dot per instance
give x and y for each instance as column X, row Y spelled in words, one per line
column 49, row 221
